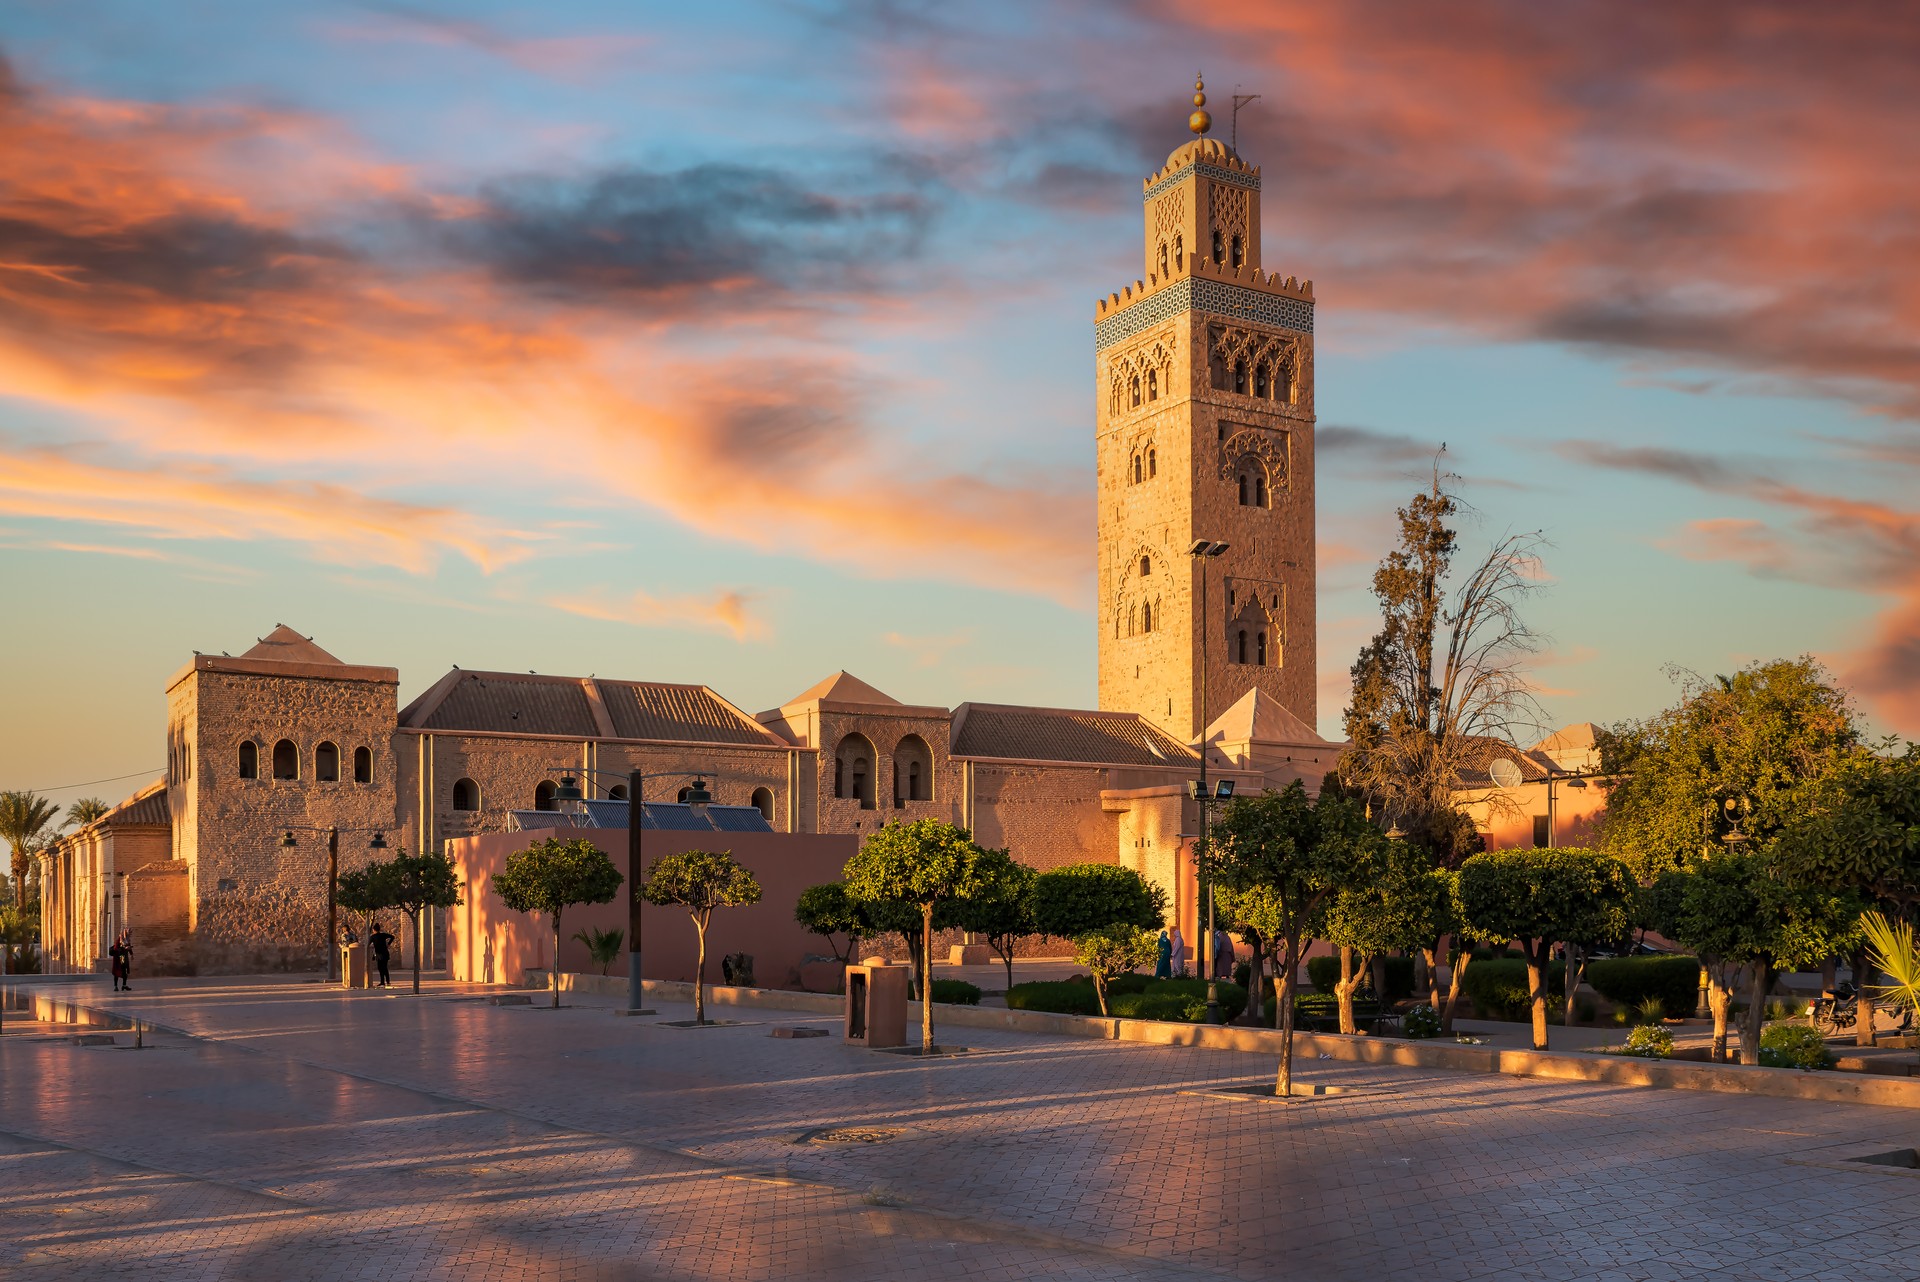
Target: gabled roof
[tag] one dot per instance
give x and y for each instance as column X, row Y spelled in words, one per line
column 691, row 714
column 1479, row 753
column 581, row 708
column 285, row 653
column 843, row 687
column 1258, row 717
column 1063, row 734
column 146, row 808
column 287, row 646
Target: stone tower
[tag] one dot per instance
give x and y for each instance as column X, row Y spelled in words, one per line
column 1205, row 432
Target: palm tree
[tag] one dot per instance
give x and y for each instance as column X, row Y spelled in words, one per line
column 24, row 820
column 85, row 811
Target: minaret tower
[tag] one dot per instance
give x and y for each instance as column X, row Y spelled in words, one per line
column 1204, row 388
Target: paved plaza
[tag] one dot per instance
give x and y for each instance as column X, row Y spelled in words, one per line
column 288, row 1131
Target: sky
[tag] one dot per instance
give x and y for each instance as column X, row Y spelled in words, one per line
column 740, row 343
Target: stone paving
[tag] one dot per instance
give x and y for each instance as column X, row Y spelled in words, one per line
column 293, row 1132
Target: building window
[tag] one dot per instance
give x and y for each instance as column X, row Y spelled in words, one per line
column 1260, row 489
column 326, row 763
column 1240, row 377
column 853, row 770
column 1153, row 463
column 1163, row 258
column 1243, row 489
column 1133, row 391
column 1260, row 380
column 1146, row 566
column 1260, row 655
column 617, row 793
column 763, row 802
column 1153, row 385
column 1136, row 469
column 249, row 761
column 466, row 796
column 286, row 760
column 1238, row 256
column 1219, row 248
column 362, row 765
column 1240, row 656
column 1541, row 834
column 912, row 770
column 1146, row 617
column 1179, row 254
column 543, row 795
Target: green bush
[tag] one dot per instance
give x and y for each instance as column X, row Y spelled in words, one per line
column 1630, row 981
column 1181, row 1000
column 1128, row 996
column 1062, row 997
column 1421, row 1021
column 1649, row 1041
column 955, row 992
column 1499, row 988
column 1793, row 1046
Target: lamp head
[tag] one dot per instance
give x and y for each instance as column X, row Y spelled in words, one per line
column 379, row 841
column 286, row 840
column 1223, row 790
column 569, row 789
column 698, row 798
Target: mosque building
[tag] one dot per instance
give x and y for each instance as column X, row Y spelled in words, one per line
column 1204, row 412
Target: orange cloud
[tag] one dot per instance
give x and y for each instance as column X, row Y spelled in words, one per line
column 729, row 611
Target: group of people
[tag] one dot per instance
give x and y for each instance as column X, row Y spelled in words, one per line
column 1170, row 958
column 380, row 944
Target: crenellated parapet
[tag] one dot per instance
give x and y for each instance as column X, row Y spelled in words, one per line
column 1214, row 159
column 1205, row 268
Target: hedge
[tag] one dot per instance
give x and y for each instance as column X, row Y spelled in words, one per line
column 1499, row 988
column 1793, row 1046
column 1128, row 997
column 1630, row 981
column 1061, row 996
column 955, row 992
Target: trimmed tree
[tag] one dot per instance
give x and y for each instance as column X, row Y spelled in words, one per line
column 700, row 881
column 420, row 882
column 1541, row 897
column 827, row 910
column 1401, row 907
column 1000, row 907
column 1280, row 857
column 1081, row 899
column 365, row 891
column 551, row 877
column 1113, row 950
column 924, row 863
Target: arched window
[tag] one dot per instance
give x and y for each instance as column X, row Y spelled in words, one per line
column 1283, row 385
column 1238, row 256
column 1260, row 656
column 326, row 763
column 853, row 770
column 1179, row 254
column 763, row 802
column 1146, row 566
column 912, row 770
column 1133, row 390
column 1146, row 617
column 286, row 760
column 1261, row 380
column 1260, row 489
column 617, row 793
column 1153, row 385
column 1136, row 469
column 1163, row 258
column 1219, row 248
column 1243, row 489
column 249, row 761
column 1240, row 377
column 466, row 796
column 1153, row 463
column 1133, row 620
column 362, row 765
column 1240, row 655
column 543, row 795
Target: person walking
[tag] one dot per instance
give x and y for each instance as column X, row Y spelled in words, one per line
column 1177, row 953
column 1223, row 955
column 121, row 957
column 381, row 942
column 1163, row 957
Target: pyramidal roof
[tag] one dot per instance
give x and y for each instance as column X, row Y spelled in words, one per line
column 288, row 646
column 1258, row 717
column 842, row 687
column 1581, row 734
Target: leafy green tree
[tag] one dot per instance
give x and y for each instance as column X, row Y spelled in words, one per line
column 552, row 876
column 85, row 811
column 366, row 891
column 700, row 881
column 420, row 882
column 1402, row 906
column 1001, row 906
column 26, row 820
column 827, row 910
column 1542, row 897
column 1279, row 857
column 1761, row 739
column 1113, row 950
column 1083, row 898
column 924, row 863
column 603, row 946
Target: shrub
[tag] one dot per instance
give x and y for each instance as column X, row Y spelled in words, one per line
column 1649, row 1041
column 1322, row 972
column 1062, row 997
column 1629, row 981
column 1129, row 997
column 1583, row 1010
column 1421, row 1021
column 1499, row 989
column 1793, row 1046
column 955, row 992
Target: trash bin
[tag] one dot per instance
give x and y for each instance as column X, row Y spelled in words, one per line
column 353, row 965
column 877, row 1003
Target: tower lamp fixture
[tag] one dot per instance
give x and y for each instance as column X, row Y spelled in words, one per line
column 379, row 842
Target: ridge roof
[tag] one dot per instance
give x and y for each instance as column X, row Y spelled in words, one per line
column 285, row 645
column 843, row 687
column 1064, row 734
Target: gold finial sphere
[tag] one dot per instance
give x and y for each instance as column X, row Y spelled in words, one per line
column 1199, row 121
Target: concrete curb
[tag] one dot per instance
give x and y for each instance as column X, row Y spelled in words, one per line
column 1570, row 1066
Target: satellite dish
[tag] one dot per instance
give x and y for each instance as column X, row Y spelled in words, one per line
column 1505, row 773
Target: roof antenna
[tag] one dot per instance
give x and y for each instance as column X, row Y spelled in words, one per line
column 1233, row 129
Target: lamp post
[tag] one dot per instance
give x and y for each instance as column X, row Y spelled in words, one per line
column 1203, row 551
column 698, row 799
column 379, row 842
column 1574, row 780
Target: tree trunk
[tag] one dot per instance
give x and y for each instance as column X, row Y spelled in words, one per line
column 1007, row 957
column 1343, row 990
column 1283, row 993
column 926, row 979
column 1720, row 1005
column 1862, row 1000
column 414, row 917
column 1538, row 953
column 1576, row 971
column 700, row 972
column 1756, row 1011
column 556, row 958
column 1100, row 991
column 1457, row 959
column 1375, row 967
column 1423, row 978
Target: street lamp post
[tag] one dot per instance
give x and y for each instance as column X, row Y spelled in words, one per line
column 1203, row 551
column 379, row 842
column 698, row 798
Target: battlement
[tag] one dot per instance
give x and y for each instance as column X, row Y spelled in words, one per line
column 1204, row 151
column 1248, row 277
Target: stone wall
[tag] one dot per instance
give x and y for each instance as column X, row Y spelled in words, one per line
column 160, row 916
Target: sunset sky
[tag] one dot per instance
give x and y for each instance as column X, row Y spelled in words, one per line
column 739, row 343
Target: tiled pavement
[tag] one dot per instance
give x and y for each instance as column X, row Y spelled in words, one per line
column 304, row 1133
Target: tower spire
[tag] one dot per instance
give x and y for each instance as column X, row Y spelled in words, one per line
column 1199, row 121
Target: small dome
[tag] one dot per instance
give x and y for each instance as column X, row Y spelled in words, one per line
column 1198, row 149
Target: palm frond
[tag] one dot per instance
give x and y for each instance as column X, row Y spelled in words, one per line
column 1890, row 946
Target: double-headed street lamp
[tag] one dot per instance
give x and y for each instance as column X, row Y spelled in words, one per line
column 698, row 799
column 1203, row 551
column 333, row 832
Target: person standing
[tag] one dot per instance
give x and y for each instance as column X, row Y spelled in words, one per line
column 1177, row 954
column 121, row 956
column 1163, row 957
column 381, row 943
column 1223, row 955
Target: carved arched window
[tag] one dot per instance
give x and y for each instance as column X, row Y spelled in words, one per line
column 912, row 770
column 1153, row 464
column 1238, row 256
column 543, row 795
column 466, row 795
column 1146, row 566
column 1163, row 258
column 1179, row 254
column 1153, row 385
column 1259, row 489
column 617, row 793
column 1146, row 618
column 1133, row 620
column 1261, row 654
column 1240, row 376
column 1133, row 391
column 1219, row 248
column 249, row 761
column 1240, row 655
column 1261, row 380
column 326, row 763
column 1283, row 386
column 1243, row 489
column 362, row 766
column 853, row 770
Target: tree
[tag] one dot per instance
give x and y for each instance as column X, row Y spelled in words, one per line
column 1736, row 911
column 1000, row 907
column 1541, row 897
column 365, row 891
column 419, row 882
column 553, row 875
column 1280, row 857
column 24, row 823
column 700, row 881
column 925, row 863
column 1400, row 907
column 1113, row 950
column 85, row 811
column 603, row 946
column 827, row 910
column 1083, row 898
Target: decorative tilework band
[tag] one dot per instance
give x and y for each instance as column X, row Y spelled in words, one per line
column 1217, row 297
column 1218, row 173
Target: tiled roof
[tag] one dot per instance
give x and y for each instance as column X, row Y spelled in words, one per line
column 148, row 806
column 687, row 714
column 503, row 703
column 1057, row 734
column 288, row 646
column 1260, row 718
column 1479, row 753
column 842, row 687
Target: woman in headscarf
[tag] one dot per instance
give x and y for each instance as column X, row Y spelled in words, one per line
column 1177, row 953
column 1223, row 956
column 1163, row 958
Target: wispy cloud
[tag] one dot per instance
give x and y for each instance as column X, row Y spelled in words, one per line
column 728, row 611
column 930, row 651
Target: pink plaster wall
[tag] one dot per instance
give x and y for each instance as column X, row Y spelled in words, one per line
column 487, row 943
